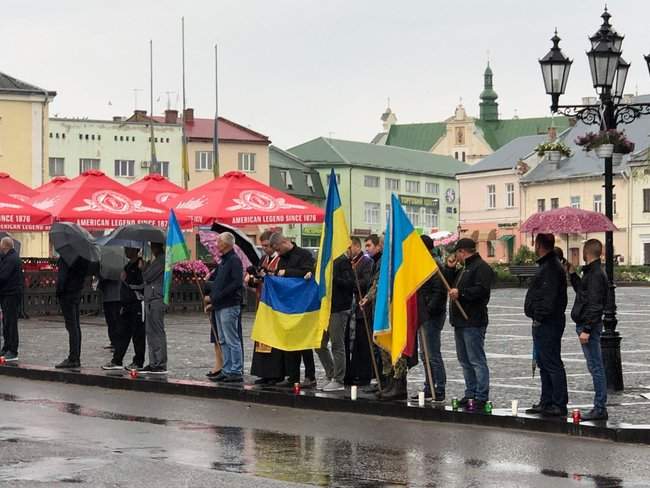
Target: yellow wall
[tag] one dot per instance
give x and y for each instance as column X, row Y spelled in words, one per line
column 639, row 220
column 228, row 160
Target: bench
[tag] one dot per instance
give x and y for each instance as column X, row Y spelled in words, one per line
column 523, row 272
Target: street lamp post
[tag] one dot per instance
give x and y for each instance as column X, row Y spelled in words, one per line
column 608, row 73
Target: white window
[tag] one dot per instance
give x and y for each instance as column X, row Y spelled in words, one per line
column 575, row 202
column 371, row 212
column 159, row 167
column 310, row 182
column 413, row 214
column 125, row 168
column 430, row 218
column 491, row 196
column 86, row 164
column 510, row 195
column 246, row 162
column 392, row 184
column 371, row 181
column 432, row 188
column 203, row 161
column 541, row 204
column 598, row 203
column 337, row 175
column 57, row 167
column 288, row 181
column 412, row 186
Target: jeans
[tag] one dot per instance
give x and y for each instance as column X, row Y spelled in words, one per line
column 471, row 356
column 10, row 305
column 334, row 362
column 594, row 359
column 432, row 330
column 70, row 308
column 547, row 339
column 228, row 330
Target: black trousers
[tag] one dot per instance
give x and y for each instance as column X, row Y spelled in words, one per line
column 9, row 304
column 130, row 329
column 112, row 316
column 547, row 339
column 292, row 364
column 70, row 307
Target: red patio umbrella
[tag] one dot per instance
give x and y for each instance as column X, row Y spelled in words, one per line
column 237, row 200
column 97, row 202
column 158, row 187
column 20, row 216
column 14, row 188
column 52, row 184
column 567, row 220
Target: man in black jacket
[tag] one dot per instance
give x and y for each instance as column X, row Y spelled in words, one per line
column 587, row 313
column 69, row 285
column 342, row 290
column 545, row 304
column 295, row 262
column 471, row 289
column 10, row 290
column 225, row 298
column 432, row 311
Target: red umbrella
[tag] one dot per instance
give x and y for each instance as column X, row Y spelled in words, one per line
column 52, row 184
column 567, row 220
column 97, row 202
column 21, row 216
column 15, row 188
column 158, row 187
column 237, row 200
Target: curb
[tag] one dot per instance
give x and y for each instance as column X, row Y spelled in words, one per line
column 626, row 433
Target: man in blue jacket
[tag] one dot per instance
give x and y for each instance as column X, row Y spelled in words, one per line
column 10, row 288
column 226, row 298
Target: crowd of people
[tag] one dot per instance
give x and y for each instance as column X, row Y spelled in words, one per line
column 134, row 311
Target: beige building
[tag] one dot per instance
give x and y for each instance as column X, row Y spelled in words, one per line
column 638, row 178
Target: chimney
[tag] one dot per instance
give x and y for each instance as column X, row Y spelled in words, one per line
column 552, row 133
column 118, row 118
column 139, row 115
column 171, row 116
column 188, row 117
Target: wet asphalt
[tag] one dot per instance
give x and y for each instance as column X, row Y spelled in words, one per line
column 65, row 435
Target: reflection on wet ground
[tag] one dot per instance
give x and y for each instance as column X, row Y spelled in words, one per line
column 304, row 459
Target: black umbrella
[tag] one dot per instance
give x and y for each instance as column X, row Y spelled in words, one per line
column 73, row 242
column 247, row 246
column 135, row 232
column 16, row 241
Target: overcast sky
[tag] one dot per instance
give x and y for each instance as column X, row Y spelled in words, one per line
column 299, row 69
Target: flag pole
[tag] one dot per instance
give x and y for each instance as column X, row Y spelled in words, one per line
column 186, row 169
column 446, row 283
column 367, row 327
column 427, row 363
column 215, row 140
column 154, row 161
column 205, row 311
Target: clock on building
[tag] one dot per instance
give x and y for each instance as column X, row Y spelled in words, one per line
column 450, row 195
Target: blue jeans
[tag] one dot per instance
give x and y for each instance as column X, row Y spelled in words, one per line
column 547, row 340
column 594, row 359
column 432, row 330
column 471, row 356
column 229, row 338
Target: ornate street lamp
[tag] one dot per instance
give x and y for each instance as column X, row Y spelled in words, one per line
column 608, row 73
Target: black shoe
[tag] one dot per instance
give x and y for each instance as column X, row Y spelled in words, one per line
column 67, row 364
column 439, row 398
column 427, row 397
column 464, row 401
column 262, row 381
column 371, row 388
column 596, row 414
column 232, row 378
column 308, row 384
column 554, row 411
column 285, row 384
column 10, row 357
column 479, row 405
column 213, row 374
column 151, row 370
column 111, row 366
column 536, row 409
column 217, row 378
column 397, row 392
column 133, row 366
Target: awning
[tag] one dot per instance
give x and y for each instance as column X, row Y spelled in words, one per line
column 507, row 238
column 487, row 235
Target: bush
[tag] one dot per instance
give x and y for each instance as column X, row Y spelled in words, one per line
column 631, row 273
column 524, row 255
column 502, row 274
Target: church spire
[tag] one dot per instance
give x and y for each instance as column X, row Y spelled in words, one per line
column 489, row 108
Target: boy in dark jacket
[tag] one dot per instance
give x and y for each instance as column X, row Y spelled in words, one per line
column 587, row 313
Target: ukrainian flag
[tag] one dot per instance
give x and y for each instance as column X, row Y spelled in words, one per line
column 334, row 241
column 175, row 251
column 406, row 264
column 288, row 314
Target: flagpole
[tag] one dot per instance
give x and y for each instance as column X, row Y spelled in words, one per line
column 154, row 161
column 367, row 327
column 201, row 294
column 215, row 140
column 446, row 283
column 185, row 163
column 427, row 363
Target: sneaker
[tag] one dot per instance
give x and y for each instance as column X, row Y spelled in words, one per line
column 596, row 414
column 133, row 366
column 10, row 356
column 112, row 366
column 334, row 386
column 67, row 364
column 151, row 370
column 233, row 378
column 284, row 384
column 327, row 382
column 308, row 384
column 439, row 398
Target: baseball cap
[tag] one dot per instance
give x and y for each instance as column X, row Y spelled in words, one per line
column 466, row 244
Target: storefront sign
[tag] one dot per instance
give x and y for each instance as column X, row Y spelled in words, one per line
column 420, row 201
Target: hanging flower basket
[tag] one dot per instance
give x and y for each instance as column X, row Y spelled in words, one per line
column 605, row 150
column 554, row 156
column 606, row 143
column 559, row 148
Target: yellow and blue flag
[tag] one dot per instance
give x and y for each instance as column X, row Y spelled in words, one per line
column 175, row 252
column 288, row 314
column 334, row 241
column 406, row 265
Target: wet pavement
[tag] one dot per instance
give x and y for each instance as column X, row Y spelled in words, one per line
column 508, row 346
column 55, row 434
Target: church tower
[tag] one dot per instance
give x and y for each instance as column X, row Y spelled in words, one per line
column 489, row 108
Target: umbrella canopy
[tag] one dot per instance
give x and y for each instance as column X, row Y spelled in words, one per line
column 16, row 241
column 111, row 262
column 235, row 199
column 158, row 187
column 247, row 246
column 52, row 184
column 15, row 188
column 73, row 242
column 210, row 239
column 567, row 220
column 97, row 202
column 135, row 232
column 18, row 215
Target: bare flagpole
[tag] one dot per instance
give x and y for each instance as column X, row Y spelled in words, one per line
column 154, row 162
column 215, row 139
column 184, row 157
